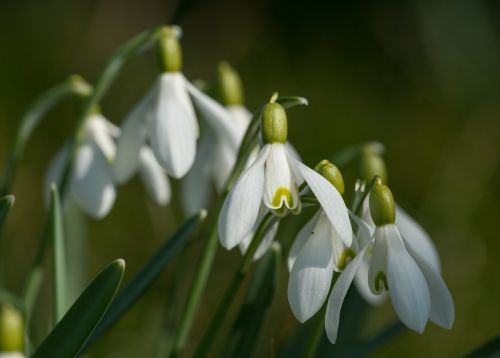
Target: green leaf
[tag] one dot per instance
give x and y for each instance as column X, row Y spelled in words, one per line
column 254, row 311
column 146, row 276
column 60, row 286
column 488, row 349
column 5, row 204
column 71, row 333
column 292, row 101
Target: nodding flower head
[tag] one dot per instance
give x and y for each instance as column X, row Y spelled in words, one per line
column 274, row 124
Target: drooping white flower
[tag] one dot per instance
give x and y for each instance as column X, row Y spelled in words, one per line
column 166, row 119
column 417, row 290
column 273, row 180
column 319, row 250
column 91, row 180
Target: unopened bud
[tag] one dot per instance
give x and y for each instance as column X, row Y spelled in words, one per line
column 274, row 124
column 11, row 329
column 331, row 173
column 372, row 164
column 382, row 207
column 229, row 86
column 170, row 49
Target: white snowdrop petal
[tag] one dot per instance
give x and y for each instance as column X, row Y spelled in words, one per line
column 280, row 188
column 171, row 130
column 154, row 178
column 338, row 294
column 377, row 272
column 416, row 239
column 361, row 282
column 266, row 242
column 301, row 238
column 217, row 117
column 99, row 130
column 330, row 199
column 241, row 207
column 442, row 306
column 132, row 137
column 92, row 184
column 311, row 275
column 197, row 184
column 407, row 285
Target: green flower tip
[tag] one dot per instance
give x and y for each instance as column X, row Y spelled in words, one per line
column 82, row 87
column 170, row 49
column 372, row 164
column 11, row 329
column 331, row 173
column 382, row 208
column 274, row 124
column 229, row 85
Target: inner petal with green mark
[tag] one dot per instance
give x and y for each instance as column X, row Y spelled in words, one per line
column 346, row 255
column 381, row 280
column 281, row 195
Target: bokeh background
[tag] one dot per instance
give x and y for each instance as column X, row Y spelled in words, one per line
column 422, row 77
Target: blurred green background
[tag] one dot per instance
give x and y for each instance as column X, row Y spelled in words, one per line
column 422, row 77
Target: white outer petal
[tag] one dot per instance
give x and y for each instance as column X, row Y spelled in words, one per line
column 241, row 207
column 378, row 262
column 330, row 199
column 55, row 172
column 173, row 130
column 154, row 178
column 416, row 240
column 197, row 184
column 92, row 184
column 301, row 239
column 223, row 160
column 311, row 275
column 11, row 355
column 361, row 282
column 442, row 306
column 101, row 131
column 132, row 137
column 338, row 294
column 219, row 119
column 408, row 288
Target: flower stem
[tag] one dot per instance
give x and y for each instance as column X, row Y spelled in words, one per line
column 73, row 86
column 316, row 334
column 227, row 299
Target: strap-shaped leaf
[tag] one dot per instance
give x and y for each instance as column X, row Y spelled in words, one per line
column 70, row 334
column 59, row 261
column 146, row 276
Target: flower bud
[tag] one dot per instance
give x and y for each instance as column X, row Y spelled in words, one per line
column 331, row 173
column 229, row 86
column 11, row 329
column 170, row 49
column 382, row 207
column 371, row 164
column 274, row 125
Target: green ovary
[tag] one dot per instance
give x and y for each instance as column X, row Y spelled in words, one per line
column 278, row 196
column 381, row 277
column 346, row 254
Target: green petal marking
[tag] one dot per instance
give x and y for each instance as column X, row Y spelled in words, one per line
column 278, row 196
column 346, row 255
column 381, row 277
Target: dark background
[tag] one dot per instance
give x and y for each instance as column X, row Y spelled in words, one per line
column 422, row 77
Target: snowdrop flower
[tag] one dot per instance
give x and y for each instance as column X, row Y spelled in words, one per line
column 417, row 291
column 217, row 151
column 166, row 119
column 273, row 180
column 320, row 249
column 91, row 180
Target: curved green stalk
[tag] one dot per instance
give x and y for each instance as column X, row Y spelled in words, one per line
column 73, row 86
column 224, row 304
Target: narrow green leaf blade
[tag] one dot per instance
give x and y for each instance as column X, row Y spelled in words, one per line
column 146, row 276
column 68, row 337
column 489, row 349
column 60, row 301
column 5, row 204
column 292, row 101
column 247, row 328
